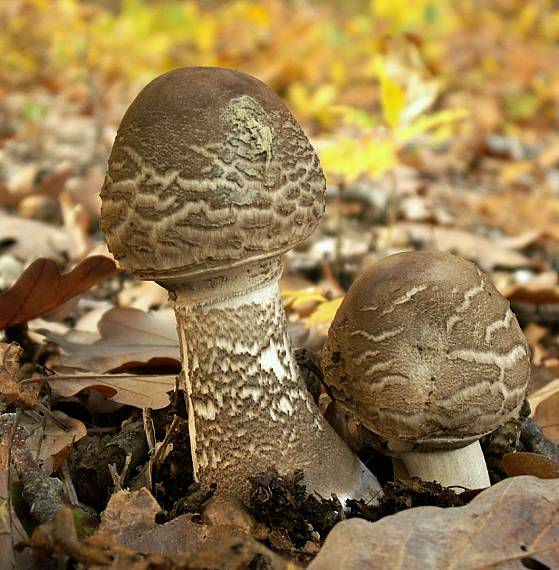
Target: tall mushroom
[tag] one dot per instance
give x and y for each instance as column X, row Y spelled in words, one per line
column 426, row 354
column 210, row 181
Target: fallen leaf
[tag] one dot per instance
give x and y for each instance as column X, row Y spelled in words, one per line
column 533, row 294
column 539, row 211
column 127, row 511
column 48, row 439
column 224, row 547
column 10, row 391
column 29, row 239
column 41, row 288
column 130, row 519
column 322, row 317
column 127, row 335
column 143, row 295
column 547, row 416
column 534, row 334
column 133, row 390
column 525, row 463
column 486, row 252
column 542, row 394
column 513, row 524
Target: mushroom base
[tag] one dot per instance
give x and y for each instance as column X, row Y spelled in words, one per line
column 249, row 409
column 463, row 467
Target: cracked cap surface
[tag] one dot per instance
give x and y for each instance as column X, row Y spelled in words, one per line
column 209, row 169
column 426, row 353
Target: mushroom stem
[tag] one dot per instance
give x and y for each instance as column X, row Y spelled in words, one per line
column 249, row 408
column 464, row 467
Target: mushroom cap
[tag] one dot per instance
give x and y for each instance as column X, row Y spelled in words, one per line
column 209, row 170
column 426, row 353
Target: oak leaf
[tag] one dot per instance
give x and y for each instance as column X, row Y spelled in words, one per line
column 41, row 288
column 513, row 524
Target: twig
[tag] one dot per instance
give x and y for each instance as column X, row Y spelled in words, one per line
column 69, row 484
column 149, row 430
column 118, row 480
column 145, row 477
column 164, row 444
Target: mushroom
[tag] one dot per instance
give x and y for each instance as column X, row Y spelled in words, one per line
column 210, row 181
column 426, row 354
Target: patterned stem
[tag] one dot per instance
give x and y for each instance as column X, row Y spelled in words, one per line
column 249, row 409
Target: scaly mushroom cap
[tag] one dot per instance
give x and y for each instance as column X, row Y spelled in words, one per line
column 209, row 169
column 426, row 353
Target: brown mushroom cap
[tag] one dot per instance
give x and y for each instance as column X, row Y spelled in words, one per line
column 426, row 353
column 209, row 169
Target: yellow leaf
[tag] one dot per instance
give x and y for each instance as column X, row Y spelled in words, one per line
column 351, row 158
column 393, row 100
column 381, row 156
column 324, row 314
column 426, row 123
column 316, row 105
column 353, row 116
column 298, row 298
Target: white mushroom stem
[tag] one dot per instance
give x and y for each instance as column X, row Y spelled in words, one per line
column 464, row 467
column 248, row 406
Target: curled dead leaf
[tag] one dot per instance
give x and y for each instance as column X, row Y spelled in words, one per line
column 547, row 391
column 41, row 288
column 11, row 391
column 524, row 463
column 49, row 441
column 484, row 251
column 133, row 390
column 126, row 335
column 547, row 416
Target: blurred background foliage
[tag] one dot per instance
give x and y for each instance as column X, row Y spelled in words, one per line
column 377, row 74
column 369, row 80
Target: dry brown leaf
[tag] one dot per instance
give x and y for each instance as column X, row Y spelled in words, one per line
column 42, row 288
column 534, row 334
column 10, row 391
column 130, row 519
column 484, row 251
column 30, row 239
column 48, row 440
column 514, row 524
column 224, row 547
column 533, row 293
column 127, row 335
column 525, row 463
column 542, row 394
column 126, row 509
column 142, row 295
column 547, row 416
column 133, row 390
column 538, row 211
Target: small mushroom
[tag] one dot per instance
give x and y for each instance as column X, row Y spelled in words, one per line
column 426, row 354
column 210, row 181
